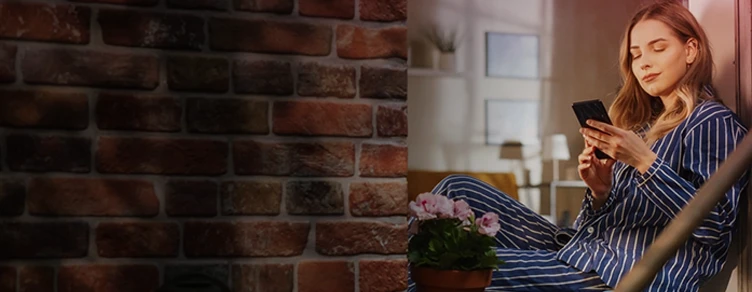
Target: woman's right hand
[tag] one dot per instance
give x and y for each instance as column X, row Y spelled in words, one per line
column 596, row 173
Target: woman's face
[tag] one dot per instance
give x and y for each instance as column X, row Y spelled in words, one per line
column 659, row 58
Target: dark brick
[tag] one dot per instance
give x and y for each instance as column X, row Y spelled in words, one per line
column 354, row 42
column 123, row 2
column 383, row 275
column 137, row 239
column 91, row 197
column 315, row 198
column 62, row 23
column 383, row 83
column 198, row 74
column 199, row 4
column 337, row 238
column 36, row 279
column 180, row 156
column 251, row 198
column 271, row 6
column 316, row 79
column 108, row 277
column 227, row 115
column 378, row 198
column 37, row 240
column 138, row 112
column 383, row 160
column 391, row 120
column 44, row 109
column 88, row 67
column 219, row 272
column 263, row 277
column 152, row 30
column 262, row 77
column 343, row 9
column 326, row 276
column 313, row 118
column 12, row 197
column 48, row 153
column 263, row 36
column 7, row 278
column 8, row 62
column 383, row 10
column 246, row 239
column 294, row 159
column 191, row 198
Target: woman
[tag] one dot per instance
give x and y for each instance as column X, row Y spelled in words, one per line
column 670, row 135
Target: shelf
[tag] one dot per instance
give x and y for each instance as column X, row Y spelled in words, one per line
column 429, row 72
column 569, row 183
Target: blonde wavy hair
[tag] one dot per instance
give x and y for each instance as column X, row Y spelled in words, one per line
column 634, row 109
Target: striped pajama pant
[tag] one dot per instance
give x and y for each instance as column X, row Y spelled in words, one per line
column 527, row 242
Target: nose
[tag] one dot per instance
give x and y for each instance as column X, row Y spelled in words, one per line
column 645, row 63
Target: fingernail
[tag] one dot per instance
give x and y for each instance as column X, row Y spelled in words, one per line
column 589, row 122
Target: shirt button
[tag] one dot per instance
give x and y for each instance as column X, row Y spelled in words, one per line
column 590, row 229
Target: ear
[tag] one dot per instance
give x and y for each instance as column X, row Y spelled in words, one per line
column 691, row 50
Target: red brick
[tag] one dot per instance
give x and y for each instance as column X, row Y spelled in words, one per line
column 161, row 156
column 227, row 115
column 337, row 238
column 294, row 159
column 8, row 62
column 391, row 120
column 92, row 197
column 48, row 153
column 312, row 118
column 271, row 6
column 383, row 10
column 241, row 239
column 191, row 198
column 88, row 67
column 152, row 30
column 262, row 77
column 262, row 277
column 354, row 42
column 137, row 239
column 326, row 276
column 315, row 198
column 383, row 275
column 263, row 36
column 44, row 109
column 199, row 4
column 36, row 279
column 122, row 2
column 316, row 79
column 61, row 23
column 343, row 9
column 383, row 160
column 12, row 197
column 138, row 112
column 27, row 240
column 378, row 199
column 7, row 278
column 108, row 277
column 383, row 83
column 251, row 198
column 198, row 74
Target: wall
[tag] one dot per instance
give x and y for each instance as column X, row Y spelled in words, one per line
column 262, row 142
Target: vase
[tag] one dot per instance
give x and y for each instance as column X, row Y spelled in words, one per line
column 432, row 280
column 447, row 62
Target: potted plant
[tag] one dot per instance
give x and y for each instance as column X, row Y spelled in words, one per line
column 446, row 43
column 449, row 248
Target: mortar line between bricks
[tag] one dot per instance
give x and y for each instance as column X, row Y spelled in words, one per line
column 224, row 260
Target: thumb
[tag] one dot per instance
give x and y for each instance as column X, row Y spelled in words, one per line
column 609, row 163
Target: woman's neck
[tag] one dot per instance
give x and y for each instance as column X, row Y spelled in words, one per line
column 669, row 100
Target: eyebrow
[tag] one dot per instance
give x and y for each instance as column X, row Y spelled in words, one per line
column 650, row 43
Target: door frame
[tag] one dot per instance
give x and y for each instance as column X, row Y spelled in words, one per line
column 743, row 31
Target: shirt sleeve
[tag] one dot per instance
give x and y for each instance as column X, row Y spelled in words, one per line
column 706, row 146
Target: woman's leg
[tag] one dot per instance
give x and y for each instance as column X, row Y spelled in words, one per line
column 521, row 228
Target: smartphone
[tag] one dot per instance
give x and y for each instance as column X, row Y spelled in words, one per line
column 592, row 110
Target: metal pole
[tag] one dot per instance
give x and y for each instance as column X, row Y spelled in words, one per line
column 691, row 216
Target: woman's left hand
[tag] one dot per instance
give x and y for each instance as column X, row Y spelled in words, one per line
column 621, row 145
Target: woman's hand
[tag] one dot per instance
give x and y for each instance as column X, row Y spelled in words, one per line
column 596, row 173
column 624, row 146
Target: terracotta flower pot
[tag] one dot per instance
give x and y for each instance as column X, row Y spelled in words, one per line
column 432, row 280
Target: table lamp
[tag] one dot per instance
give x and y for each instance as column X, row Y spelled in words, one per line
column 555, row 148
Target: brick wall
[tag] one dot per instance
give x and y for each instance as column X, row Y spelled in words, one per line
column 261, row 141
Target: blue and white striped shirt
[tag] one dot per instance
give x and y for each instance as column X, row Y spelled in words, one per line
column 611, row 239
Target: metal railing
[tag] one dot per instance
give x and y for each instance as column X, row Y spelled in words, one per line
column 690, row 217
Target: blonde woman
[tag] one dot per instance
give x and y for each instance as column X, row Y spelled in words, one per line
column 670, row 134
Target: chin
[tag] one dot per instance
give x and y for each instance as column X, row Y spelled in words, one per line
column 654, row 89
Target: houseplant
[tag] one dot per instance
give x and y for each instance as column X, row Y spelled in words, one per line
column 449, row 248
column 446, row 43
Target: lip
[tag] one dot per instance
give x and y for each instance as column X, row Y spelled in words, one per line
column 650, row 77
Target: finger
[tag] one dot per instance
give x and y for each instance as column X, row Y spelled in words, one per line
column 595, row 134
column 603, row 127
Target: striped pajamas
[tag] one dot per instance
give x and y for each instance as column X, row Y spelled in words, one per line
column 605, row 243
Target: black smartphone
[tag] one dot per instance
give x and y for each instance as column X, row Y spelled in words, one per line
column 592, row 110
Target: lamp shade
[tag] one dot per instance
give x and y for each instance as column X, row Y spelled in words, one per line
column 555, row 148
column 511, row 150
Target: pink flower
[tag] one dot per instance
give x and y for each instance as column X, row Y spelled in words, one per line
column 488, row 224
column 430, row 206
column 462, row 210
column 444, row 207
